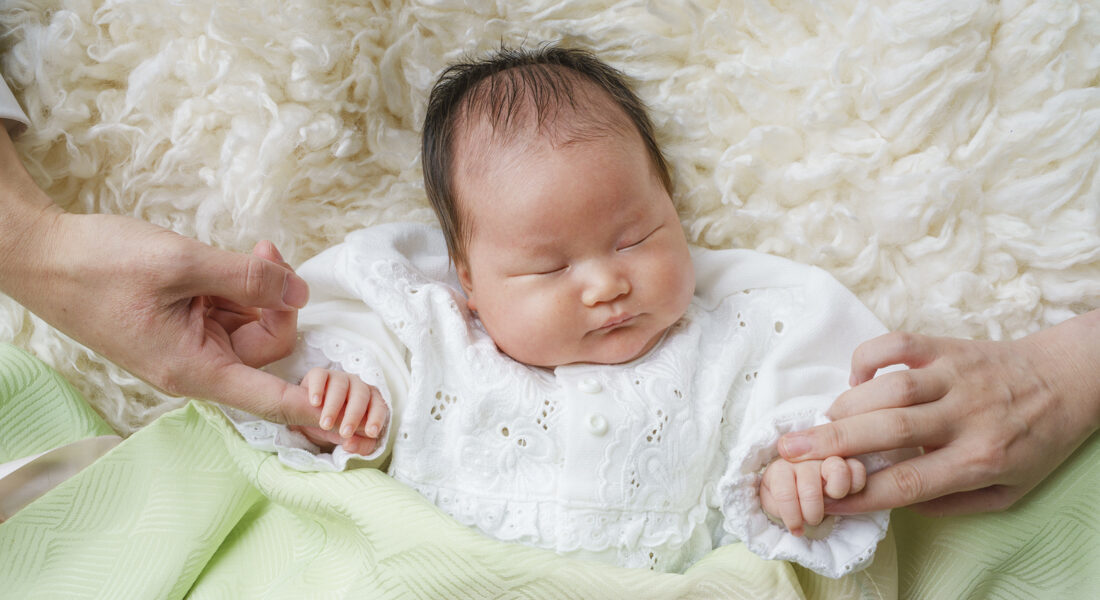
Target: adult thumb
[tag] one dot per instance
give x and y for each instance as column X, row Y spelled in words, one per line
column 247, row 279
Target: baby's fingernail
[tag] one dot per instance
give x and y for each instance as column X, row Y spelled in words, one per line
column 346, row 431
column 372, row 431
column 315, row 400
column 795, row 445
column 852, row 380
column 326, row 423
column 796, row 532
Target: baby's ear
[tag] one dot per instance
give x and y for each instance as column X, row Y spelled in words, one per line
column 467, row 284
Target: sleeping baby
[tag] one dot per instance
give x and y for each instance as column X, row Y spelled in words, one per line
column 563, row 369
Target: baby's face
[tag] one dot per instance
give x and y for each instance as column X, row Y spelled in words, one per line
column 576, row 253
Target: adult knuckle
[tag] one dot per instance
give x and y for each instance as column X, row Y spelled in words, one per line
column 834, row 438
column 256, row 278
column 991, row 460
column 900, row 428
column 154, row 266
column 908, row 481
column 905, row 388
column 904, row 343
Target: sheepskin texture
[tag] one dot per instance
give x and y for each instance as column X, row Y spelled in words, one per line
column 939, row 157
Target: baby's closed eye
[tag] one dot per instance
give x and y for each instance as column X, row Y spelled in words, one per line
column 632, row 242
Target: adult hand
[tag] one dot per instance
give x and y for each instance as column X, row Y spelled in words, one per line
column 993, row 418
column 189, row 319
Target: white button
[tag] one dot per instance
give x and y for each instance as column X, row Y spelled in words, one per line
column 590, row 386
column 597, row 424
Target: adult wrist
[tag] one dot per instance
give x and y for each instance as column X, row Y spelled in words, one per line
column 1067, row 358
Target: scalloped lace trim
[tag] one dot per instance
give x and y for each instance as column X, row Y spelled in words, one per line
column 842, row 546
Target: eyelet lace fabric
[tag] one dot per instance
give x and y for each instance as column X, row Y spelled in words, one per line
column 616, row 462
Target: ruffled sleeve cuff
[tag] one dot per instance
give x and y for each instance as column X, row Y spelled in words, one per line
column 840, row 545
column 293, row 448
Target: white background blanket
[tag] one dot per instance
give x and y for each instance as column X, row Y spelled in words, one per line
column 940, row 157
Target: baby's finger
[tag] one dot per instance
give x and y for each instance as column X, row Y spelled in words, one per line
column 358, row 400
column 859, row 475
column 379, row 412
column 838, row 477
column 336, row 393
column 811, row 503
column 783, row 488
column 315, row 382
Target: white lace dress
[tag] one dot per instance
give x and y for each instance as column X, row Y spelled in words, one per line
column 651, row 463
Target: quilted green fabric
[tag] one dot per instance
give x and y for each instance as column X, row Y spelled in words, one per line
column 184, row 508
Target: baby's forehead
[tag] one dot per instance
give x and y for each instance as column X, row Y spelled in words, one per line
column 484, row 142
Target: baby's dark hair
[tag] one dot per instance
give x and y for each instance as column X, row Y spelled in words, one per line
column 501, row 89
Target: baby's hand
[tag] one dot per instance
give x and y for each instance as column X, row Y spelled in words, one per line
column 362, row 406
column 795, row 492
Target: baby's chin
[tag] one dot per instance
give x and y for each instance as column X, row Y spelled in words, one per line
column 629, row 350
column 613, row 350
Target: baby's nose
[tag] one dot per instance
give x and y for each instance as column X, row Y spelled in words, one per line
column 604, row 283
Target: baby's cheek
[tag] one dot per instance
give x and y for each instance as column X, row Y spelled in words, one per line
column 534, row 330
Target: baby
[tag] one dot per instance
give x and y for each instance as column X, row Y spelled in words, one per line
column 564, row 370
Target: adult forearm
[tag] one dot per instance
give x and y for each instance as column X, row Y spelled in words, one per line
column 26, row 218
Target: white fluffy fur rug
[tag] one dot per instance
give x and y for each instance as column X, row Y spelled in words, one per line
column 940, row 157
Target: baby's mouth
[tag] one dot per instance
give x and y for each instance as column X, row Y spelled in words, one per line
column 615, row 322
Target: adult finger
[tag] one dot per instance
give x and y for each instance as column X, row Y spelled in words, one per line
column 895, row 348
column 274, row 333
column 358, row 445
column 228, row 314
column 262, row 394
column 877, row 431
column 246, row 279
column 319, row 436
column 891, row 390
column 908, row 482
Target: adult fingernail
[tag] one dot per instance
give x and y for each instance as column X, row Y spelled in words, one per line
column 278, row 255
column 295, row 291
column 795, row 445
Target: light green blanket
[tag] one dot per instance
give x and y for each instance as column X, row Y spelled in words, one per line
column 185, row 508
